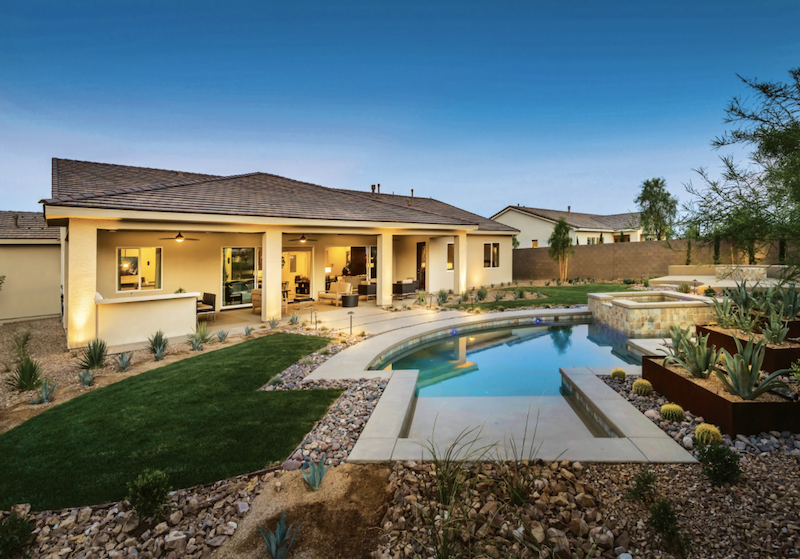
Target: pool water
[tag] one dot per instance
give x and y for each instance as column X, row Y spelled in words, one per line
column 512, row 361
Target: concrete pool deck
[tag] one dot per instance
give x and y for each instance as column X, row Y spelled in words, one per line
column 393, row 434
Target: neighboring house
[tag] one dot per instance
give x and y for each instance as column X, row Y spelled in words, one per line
column 535, row 226
column 30, row 259
column 133, row 236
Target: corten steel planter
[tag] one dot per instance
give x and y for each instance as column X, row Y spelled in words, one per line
column 775, row 358
column 746, row 418
column 794, row 328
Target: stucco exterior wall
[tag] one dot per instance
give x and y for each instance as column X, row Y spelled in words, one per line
column 33, row 281
column 121, row 324
column 529, row 227
column 477, row 275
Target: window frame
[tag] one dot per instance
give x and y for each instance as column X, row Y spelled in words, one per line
column 139, row 257
column 493, row 262
column 450, row 265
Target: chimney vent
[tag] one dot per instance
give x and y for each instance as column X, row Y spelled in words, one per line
column 379, row 188
column 412, row 192
column 16, row 221
column 373, row 189
column 569, row 209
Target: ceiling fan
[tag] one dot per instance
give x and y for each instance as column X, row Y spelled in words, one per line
column 302, row 239
column 177, row 238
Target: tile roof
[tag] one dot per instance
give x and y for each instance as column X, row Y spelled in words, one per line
column 26, row 226
column 576, row 220
column 255, row 194
column 71, row 177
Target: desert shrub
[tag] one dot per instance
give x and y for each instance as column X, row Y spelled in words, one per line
column 363, row 334
column 86, row 377
column 683, row 287
column 646, row 282
column 222, row 335
column 618, row 374
column 157, row 344
column 180, row 290
column 642, row 484
column 498, row 296
column 94, row 355
column 796, row 370
column 421, row 300
column 248, row 330
column 16, row 534
column 44, row 395
column 707, row 434
column 672, row 412
column 273, row 323
column 294, row 320
column 275, row 381
column 664, row 521
column 642, row 387
column 710, row 292
column 628, row 281
column 720, row 463
column 307, row 361
column 481, row 294
column 279, row 543
column 124, row 361
column 201, row 336
column 148, row 494
column 546, row 284
column 442, row 296
column 20, row 342
column 27, row 375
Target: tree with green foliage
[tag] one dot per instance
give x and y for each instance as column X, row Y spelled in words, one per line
column 657, row 208
column 514, row 242
column 561, row 247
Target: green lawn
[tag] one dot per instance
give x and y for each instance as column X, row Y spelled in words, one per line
column 556, row 295
column 200, row 419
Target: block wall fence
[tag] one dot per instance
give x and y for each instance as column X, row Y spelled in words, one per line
column 621, row 260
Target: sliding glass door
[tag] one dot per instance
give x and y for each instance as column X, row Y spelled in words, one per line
column 239, row 267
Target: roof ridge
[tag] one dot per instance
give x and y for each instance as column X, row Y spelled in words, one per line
column 360, row 194
column 150, row 188
column 56, row 159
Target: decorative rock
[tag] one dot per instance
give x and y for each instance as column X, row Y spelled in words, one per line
column 242, row 507
column 291, row 465
column 688, row 444
column 175, row 517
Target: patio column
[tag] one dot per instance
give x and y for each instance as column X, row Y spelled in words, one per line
column 460, row 262
column 81, row 282
column 271, row 296
column 385, row 273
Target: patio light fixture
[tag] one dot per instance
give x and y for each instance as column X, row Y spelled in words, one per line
column 351, row 313
column 694, row 284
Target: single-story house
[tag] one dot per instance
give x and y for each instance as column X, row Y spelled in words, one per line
column 535, row 226
column 30, row 261
column 139, row 244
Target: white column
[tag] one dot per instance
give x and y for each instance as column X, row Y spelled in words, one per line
column 271, row 248
column 460, row 263
column 82, row 283
column 385, row 260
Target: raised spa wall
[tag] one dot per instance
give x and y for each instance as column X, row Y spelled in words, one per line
column 649, row 314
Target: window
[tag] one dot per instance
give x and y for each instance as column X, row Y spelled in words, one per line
column 593, row 240
column 491, row 255
column 138, row 269
column 535, row 243
column 451, row 257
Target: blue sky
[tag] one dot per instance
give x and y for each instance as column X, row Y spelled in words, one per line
column 481, row 104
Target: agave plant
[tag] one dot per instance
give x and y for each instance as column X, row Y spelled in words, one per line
column 27, row 375
column 498, row 296
column 248, row 330
column 201, row 335
column 86, row 376
column 774, row 330
column 791, row 302
column 313, row 472
column 273, row 323
column 742, row 376
column 45, row 393
column 197, row 345
column 279, row 543
column 294, row 320
column 481, row 294
column 94, row 355
column 515, row 293
column 157, row 344
column 124, row 361
column 677, row 335
column 746, row 322
column 421, row 300
column 744, row 301
column 222, row 335
column 695, row 356
column 724, row 311
column 442, row 296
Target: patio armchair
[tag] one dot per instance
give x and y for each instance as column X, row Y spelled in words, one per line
column 334, row 294
column 207, row 306
column 368, row 289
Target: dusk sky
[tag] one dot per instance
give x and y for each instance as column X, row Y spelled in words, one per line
column 479, row 104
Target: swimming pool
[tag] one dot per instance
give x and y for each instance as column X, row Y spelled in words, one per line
column 508, row 362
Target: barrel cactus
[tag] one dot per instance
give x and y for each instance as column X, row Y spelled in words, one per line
column 672, row 412
column 642, row 387
column 618, row 374
column 706, row 434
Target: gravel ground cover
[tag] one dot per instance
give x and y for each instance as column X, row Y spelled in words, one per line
column 774, row 442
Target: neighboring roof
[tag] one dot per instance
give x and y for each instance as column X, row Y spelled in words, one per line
column 255, row 194
column 576, row 220
column 26, row 226
column 72, row 177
